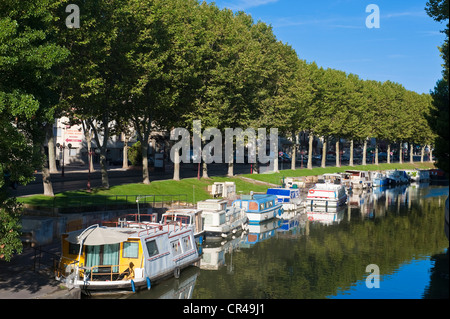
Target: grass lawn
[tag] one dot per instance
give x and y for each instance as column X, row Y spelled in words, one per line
column 191, row 189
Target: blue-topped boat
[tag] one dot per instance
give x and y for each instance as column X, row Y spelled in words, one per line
column 379, row 179
column 289, row 198
column 259, row 207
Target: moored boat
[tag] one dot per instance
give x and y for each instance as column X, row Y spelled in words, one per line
column 125, row 257
column 326, row 194
column 397, row 177
column 190, row 217
column 379, row 179
column 289, row 198
column 259, row 207
column 220, row 220
column 418, row 175
column 359, row 179
column 438, row 176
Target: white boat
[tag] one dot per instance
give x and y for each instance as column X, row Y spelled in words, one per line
column 359, row 179
column 326, row 216
column 259, row 207
column 379, row 179
column 220, row 220
column 397, row 177
column 190, row 217
column 418, row 175
column 289, row 198
column 125, row 257
column 326, row 194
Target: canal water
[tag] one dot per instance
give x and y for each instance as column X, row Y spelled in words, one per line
column 325, row 254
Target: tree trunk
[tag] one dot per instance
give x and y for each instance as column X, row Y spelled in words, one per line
column 351, row 153
column 400, row 153
column 338, row 164
column 310, row 150
column 204, row 170
column 364, row 152
column 176, row 166
column 46, row 177
column 145, row 174
column 125, row 151
column 324, row 152
column 102, row 146
column 275, row 162
column 230, row 169
column 388, row 154
column 294, row 150
column 376, row 153
column 411, row 153
column 431, row 154
column 51, row 149
column 104, row 169
column 422, row 153
column 88, row 136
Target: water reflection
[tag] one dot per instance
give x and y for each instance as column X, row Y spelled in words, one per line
column 322, row 253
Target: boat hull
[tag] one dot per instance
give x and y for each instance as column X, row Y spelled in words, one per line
column 322, row 202
column 225, row 230
column 259, row 217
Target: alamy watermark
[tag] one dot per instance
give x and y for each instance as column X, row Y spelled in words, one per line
column 73, row 19
column 373, row 19
column 214, row 152
column 373, row 279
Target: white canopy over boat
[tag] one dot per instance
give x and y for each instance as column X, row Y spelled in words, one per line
column 96, row 235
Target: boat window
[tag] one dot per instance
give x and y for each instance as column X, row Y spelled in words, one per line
column 102, row 255
column 130, row 250
column 152, row 248
column 74, row 249
column 187, row 243
column 222, row 218
column 253, row 206
column 261, row 206
column 176, row 247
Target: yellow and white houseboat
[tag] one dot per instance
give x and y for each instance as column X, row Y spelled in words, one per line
column 127, row 256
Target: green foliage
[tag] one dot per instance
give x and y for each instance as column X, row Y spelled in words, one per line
column 438, row 118
column 135, row 154
column 10, row 227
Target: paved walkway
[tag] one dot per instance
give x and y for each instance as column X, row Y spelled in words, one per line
column 19, row 281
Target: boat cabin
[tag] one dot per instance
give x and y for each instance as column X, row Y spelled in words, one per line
column 219, row 219
column 125, row 257
column 187, row 216
column 259, row 207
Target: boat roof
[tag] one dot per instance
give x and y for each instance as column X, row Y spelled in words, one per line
column 327, row 186
column 281, row 191
column 183, row 211
column 261, row 198
column 100, row 235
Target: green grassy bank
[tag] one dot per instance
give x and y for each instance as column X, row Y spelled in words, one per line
column 193, row 189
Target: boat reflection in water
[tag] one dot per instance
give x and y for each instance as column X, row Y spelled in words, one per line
column 399, row 229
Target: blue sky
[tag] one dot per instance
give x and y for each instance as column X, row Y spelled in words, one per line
column 333, row 33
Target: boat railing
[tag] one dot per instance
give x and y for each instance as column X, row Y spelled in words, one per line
column 131, row 219
column 171, row 226
column 107, row 272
